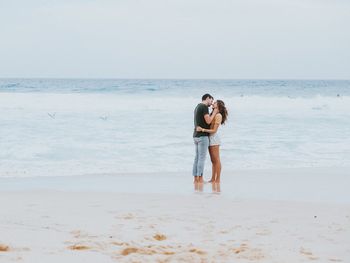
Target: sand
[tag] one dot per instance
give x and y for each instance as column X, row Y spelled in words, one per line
column 77, row 226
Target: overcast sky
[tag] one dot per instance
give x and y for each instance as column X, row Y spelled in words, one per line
column 304, row 39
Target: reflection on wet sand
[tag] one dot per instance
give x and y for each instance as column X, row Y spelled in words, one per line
column 215, row 187
column 198, row 187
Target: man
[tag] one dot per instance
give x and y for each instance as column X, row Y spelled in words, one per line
column 201, row 139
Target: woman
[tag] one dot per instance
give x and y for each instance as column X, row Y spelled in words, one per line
column 214, row 139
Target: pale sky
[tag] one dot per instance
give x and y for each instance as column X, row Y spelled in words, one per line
column 244, row 39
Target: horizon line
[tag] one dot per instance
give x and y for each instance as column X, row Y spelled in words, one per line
column 116, row 78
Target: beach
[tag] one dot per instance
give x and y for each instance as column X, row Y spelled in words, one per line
column 74, row 221
column 99, row 170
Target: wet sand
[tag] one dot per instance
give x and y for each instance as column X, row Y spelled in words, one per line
column 292, row 215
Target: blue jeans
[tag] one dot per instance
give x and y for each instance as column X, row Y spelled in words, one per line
column 201, row 144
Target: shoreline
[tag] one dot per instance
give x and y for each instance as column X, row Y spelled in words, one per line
column 320, row 185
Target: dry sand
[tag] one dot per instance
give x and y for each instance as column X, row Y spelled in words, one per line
column 53, row 226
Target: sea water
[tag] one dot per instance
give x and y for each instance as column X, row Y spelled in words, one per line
column 64, row 127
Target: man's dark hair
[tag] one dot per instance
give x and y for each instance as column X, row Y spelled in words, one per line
column 205, row 96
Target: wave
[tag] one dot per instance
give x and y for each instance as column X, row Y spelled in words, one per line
column 111, row 103
column 147, row 87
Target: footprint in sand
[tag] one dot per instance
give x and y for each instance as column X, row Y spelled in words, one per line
column 131, row 250
column 79, row 247
column 81, row 238
column 263, row 232
column 159, row 237
column 335, row 260
column 308, row 254
column 149, row 250
column 248, row 253
column 4, row 248
column 242, row 248
column 197, row 251
column 128, row 216
column 81, row 234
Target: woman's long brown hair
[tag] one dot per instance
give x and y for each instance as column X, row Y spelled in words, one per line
column 222, row 110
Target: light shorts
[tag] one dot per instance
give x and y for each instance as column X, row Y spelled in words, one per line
column 214, row 139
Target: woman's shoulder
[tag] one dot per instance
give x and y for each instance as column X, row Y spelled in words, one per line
column 218, row 116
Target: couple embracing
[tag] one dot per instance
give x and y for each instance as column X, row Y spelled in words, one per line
column 206, row 136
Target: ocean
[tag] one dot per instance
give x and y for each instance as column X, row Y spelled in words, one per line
column 66, row 127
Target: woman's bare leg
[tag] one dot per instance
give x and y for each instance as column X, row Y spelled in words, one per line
column 212, row 166
column 215, row 159
column 218, row 168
